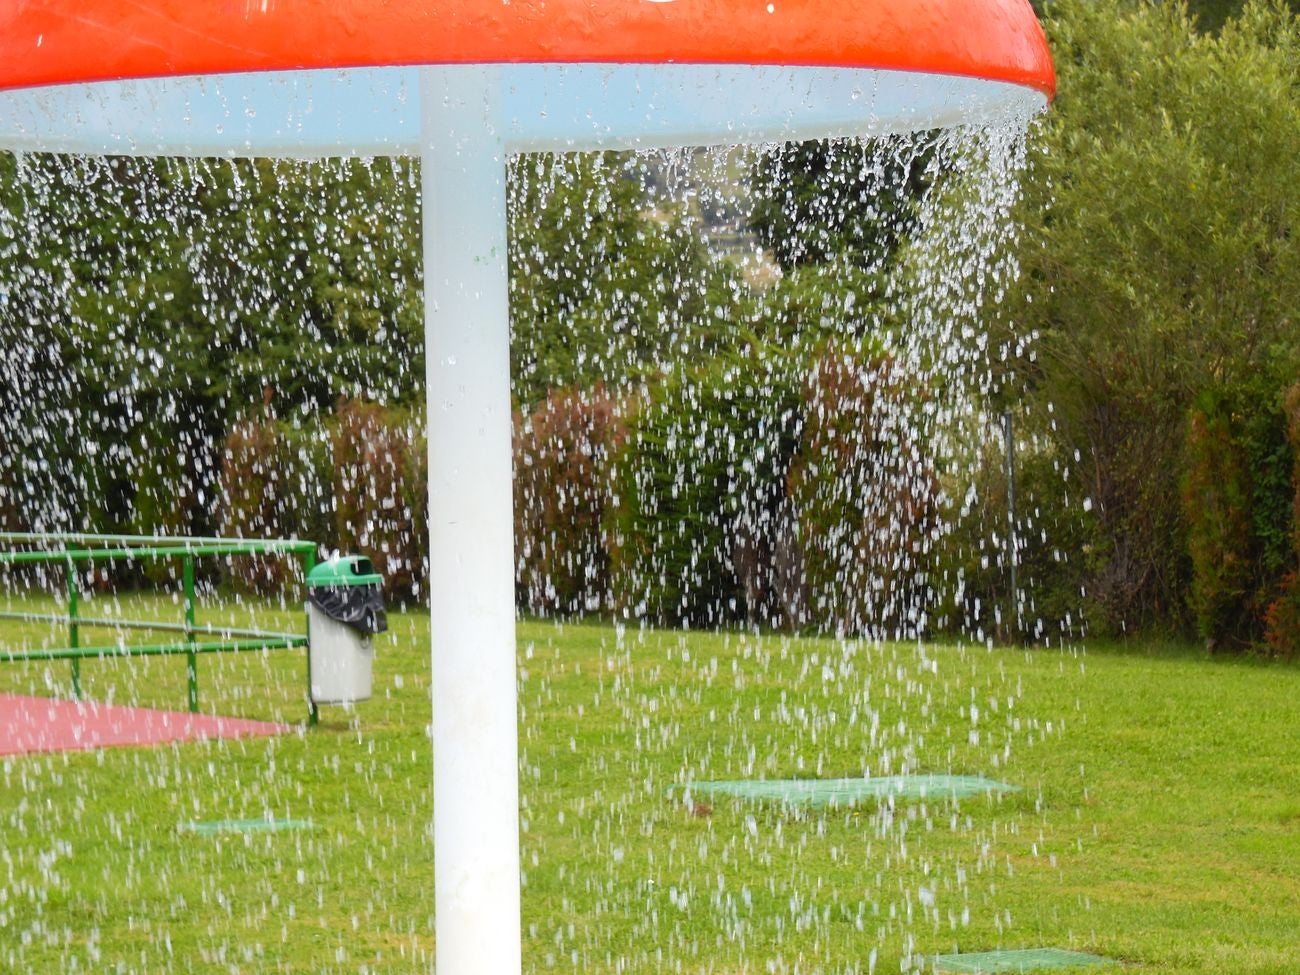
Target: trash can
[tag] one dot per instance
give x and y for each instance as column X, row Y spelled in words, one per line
column 345, row 608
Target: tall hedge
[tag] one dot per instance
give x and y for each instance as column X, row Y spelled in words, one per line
column 1238, row 500
column 563, row 459
column 700, row 486
column 1282, row 619
column 1160, row 252
column 1216, row 502
column 256, row 501
column 864, row 496
column 380, row 493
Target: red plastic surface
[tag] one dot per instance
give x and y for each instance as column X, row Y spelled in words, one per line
column 45, row 42
column 39, row 724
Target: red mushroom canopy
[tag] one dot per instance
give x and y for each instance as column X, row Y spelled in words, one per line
column 46, row 42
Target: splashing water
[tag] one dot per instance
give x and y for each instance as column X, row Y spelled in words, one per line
column 755, row 390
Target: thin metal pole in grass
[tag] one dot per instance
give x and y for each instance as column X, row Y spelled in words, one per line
column 1013, row 616
column 191, row 658
column 74, row 630
column 309, row 563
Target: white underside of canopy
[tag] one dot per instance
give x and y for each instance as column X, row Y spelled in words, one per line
column 376, row 111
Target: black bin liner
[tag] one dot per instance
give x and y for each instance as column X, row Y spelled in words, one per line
column 360, row 607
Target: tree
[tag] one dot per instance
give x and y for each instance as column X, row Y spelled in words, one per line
column 601, row 288
column 164, row 297
column 1211, row 15
column 847, row 199
column 1160, row 259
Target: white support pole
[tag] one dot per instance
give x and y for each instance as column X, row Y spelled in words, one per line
column 467, row 347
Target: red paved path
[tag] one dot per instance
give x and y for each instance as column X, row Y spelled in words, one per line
column 41, row 724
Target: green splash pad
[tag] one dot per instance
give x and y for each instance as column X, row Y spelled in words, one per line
column 823, row 793
column 245, row 826
column 1023, row 960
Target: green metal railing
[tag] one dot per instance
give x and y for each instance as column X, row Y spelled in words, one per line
column 27, row 548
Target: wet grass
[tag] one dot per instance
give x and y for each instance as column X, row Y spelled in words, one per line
column 1159, row 822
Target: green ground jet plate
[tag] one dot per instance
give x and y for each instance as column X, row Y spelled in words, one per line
column 246, row 826
column 824, row 793
column 1024, row 960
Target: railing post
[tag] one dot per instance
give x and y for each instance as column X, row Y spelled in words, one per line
column 1012, row 555
column 74, row 631
column 191, row 658
column 309, row 563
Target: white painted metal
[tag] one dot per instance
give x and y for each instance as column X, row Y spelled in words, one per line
column 342, row 660
column 376, row 111
column 471, row 526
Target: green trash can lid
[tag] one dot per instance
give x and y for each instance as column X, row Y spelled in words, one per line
column 344, row 570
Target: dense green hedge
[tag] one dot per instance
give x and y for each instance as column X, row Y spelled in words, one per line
column 355, row 482
column 700, row 486
column 564, row 454
column 380, row 479
column 863, row 492
column 1282, row 618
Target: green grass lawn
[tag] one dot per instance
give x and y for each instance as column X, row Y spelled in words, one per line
column 1159, row 821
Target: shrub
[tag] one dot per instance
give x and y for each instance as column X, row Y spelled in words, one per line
column 1291, row 415
column 863, row 494
column 306, row 455
column 1237, row 501
column 165, row 501
column 700, row 493
column 1282, row 620
column 275, row 481
column 167, row 483
column 971, row 576
column 380, row 494
column 1216, row 506
column 563, row 485
column 10, row 482
column 356, row 484
column 253, row 500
